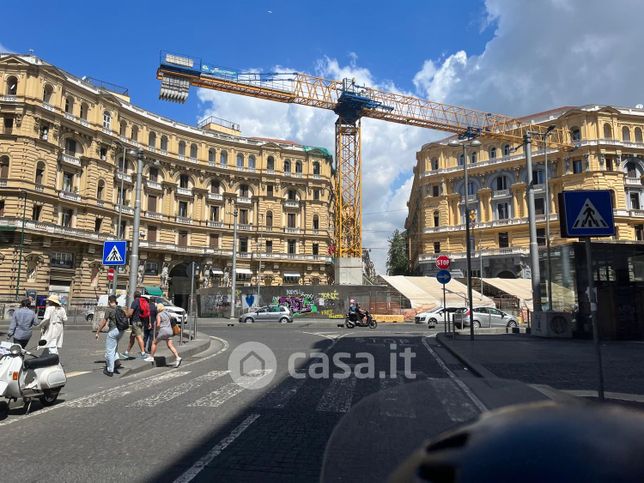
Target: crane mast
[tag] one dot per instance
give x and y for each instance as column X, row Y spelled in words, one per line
column 350, row 102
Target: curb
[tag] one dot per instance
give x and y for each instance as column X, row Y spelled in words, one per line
column 474, row 367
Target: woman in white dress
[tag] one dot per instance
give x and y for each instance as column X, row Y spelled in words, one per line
column 52, row 324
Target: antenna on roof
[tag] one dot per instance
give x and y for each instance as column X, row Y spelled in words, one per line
column 639, row 106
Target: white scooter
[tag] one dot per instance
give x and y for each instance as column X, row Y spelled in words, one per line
column 39, row 376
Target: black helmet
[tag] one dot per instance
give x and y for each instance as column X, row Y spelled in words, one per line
column 541, row 442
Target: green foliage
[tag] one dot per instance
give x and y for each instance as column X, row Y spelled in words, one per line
column 397, row 259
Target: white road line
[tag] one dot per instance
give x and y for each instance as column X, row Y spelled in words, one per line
column 278, row 397
column 201, row 463
column 224, row 393
column 468, row 392
column 338, row 396
column 76, row 373
column 456, row 405
column 176, row 391
column 102, row 397
column 334, row 336
column 395, row 404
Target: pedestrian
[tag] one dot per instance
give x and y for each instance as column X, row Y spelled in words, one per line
column 21, row 323
column 117, row 324
column 164, row 332
column 52, row 324
column 139, row 312
column 148, row 329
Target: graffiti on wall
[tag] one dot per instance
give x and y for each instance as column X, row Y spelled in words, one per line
column 300, row 302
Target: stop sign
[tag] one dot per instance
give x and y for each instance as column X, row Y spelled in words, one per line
column 110, row 274
column 442, row 262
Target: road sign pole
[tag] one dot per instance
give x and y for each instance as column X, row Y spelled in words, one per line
column 532, row 226
column 445, row 317
column 134, row 257
column 592, row 298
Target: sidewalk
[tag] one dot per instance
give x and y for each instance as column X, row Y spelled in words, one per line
column 562, row 364
column 82, row 353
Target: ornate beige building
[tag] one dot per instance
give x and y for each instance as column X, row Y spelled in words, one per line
column 608, row 154
column 62, row 141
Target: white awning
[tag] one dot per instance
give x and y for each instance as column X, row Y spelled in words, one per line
column 292, row 275
column 216, row 271
column 244, row 271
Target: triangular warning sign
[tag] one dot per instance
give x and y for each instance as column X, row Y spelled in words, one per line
column 114, row 256
column 589, row 217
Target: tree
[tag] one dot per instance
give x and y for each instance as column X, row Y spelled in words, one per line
column 397, row 260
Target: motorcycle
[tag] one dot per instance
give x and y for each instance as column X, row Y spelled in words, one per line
column 40, row 376
column 352, row 320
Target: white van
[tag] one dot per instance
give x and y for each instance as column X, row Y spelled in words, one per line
column 177, row 313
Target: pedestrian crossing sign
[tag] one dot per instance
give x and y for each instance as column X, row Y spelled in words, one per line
column 586, row 213
column 114, row 252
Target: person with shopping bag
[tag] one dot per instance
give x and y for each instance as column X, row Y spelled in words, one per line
column 164, row 331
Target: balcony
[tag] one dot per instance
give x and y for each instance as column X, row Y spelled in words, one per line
column 539, row 188
column 500, row 194
column 49, row 107
column 244, row 226
column 291, row 230
column 3, row 183
column 68, row 195
column 636, row 213
column 154, row 215
column 128, row 210
column 184, row 191
column 153, row 185
column 243, row 200
column 70, row 160
column 122, row 176
column 184, row 220
column 291, row 204
column 633, row 182
column 215, row 224
column 215, row 197
column 38, row 187
column 8, row 98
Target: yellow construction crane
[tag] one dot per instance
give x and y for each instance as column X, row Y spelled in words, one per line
column 350, row 102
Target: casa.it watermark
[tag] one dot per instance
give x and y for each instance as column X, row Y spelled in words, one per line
column 253, row 365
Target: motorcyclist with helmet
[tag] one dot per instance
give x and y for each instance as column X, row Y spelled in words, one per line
column 354, row 308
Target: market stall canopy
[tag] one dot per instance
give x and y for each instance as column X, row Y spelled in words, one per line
column 153, row 290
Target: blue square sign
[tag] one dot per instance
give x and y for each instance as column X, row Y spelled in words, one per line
column 114, row 252
column 586, row 213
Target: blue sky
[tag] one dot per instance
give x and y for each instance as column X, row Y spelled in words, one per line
column 506, row 56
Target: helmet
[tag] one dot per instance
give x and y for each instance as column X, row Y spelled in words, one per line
column 536, row 442
column 352, row 301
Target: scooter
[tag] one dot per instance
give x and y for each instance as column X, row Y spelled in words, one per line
column 39, row 376
column 352, row 320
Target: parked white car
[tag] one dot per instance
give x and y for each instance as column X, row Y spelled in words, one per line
column 177, row 313
column 436, row 316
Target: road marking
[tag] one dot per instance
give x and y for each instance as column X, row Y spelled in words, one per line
column 622, row 396
column 278, row 397
column 76, row 373
column 392, row 403
column 456, row 405
column 201, row 463
column 338, row 396
column 224, row 393
column 468, row 392
column 176, row 391
column 327, row 335
column 107, row 395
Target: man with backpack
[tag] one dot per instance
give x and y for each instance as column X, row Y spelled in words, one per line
column 139, row 314
column 118, row 323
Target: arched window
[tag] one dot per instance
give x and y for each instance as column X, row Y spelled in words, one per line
column 84, row 110
column 506, row 150
column 270, row 163
column 608, row 131
column 70, row 146
column 316, row 222
column 107, row 120
column 575, row 134
column 471, row 188
column 434, row 164
column 212, row 156
column 287, row 166
column 269, row 219
column 12, row 86
column 40, row 173
column 240, row 160
column 436, row 218
column 291, row 195
column 152, row 139
column 193, row 151
column 316, row 168
column 182, row 148
column 223, row 157
column 626, row 134
column 501, row 183
column 48, row 91
column 298, row 166
column 473, row 158
column 631, row 170
column 69, row 105
column 135, row 134
column 492, row 153
column 122, row 128
column 251, row 162
column 214, row 187
column 4, row 167
column 638, row 135
column 461, row 160
column 184, row 181
column 164, row 143
column 100, row 190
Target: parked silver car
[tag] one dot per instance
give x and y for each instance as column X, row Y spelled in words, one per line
column 271, row 313
column 484, row 317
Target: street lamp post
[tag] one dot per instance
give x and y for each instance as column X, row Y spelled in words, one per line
column 234, row 274
column 22, row 244
column 119, row 235
column 468, row 141
column 547, row 213
column 532, row 225
column 259, row 258
column 134, row 257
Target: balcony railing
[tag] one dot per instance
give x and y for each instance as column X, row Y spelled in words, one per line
column 184, row 219
column 215, row 197
column 154, row 185
column 122, row 176
column 3, row 183
column 500, row 194
column 244, row 226
column 128, row 210
column 71, row 160
column 9, row 98
column 633, row 182
column 291, row 230
column 68, row 195
column 154, row 215
column 291, row 204
column 243, row 200
column 49, row 107
column 215, row 224
column 184, row 191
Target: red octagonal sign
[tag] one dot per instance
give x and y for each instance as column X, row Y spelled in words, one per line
column 110, row 274
column 443, row 262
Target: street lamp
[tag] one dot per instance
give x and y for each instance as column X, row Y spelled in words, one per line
column 22, row 243
column 234, row 274
column 547, row 213
column 259, row 257
column 119, row 235
column 468, row 140
column 134, row 257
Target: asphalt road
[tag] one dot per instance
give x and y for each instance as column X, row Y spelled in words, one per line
column 195, row 424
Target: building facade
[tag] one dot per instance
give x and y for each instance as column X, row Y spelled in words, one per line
column 608, row 154
column 68, row 157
